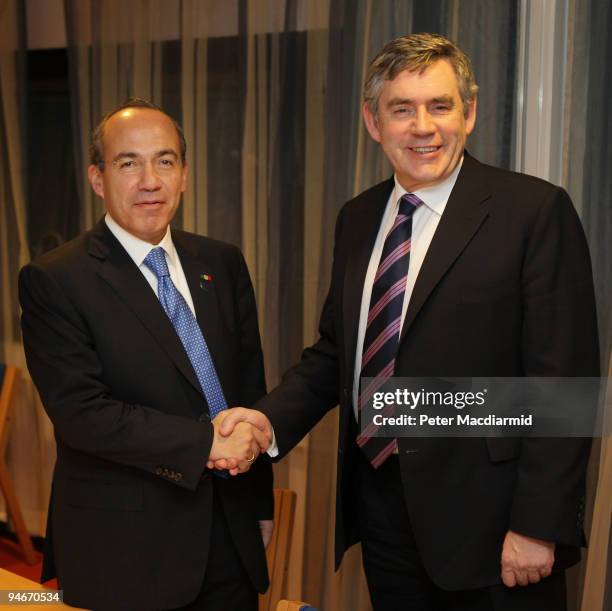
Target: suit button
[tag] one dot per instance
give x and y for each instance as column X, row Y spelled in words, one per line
column 345, row 392
column 203, row 418
column 158, row 471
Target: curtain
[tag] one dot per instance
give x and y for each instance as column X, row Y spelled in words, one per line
column 31, row 449
column 269, row 95
column 353, row 162
column 598, row 575
column 587, row 158
column 115, row 51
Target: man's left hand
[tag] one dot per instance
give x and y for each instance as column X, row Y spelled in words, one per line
column 525, row 560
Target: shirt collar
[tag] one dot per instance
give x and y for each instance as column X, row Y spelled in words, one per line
column 434, row 197
column 135, row 247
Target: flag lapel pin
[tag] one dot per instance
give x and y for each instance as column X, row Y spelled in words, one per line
column 205, row 281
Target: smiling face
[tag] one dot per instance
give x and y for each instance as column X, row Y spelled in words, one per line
column 421, row 124
column 143, row 176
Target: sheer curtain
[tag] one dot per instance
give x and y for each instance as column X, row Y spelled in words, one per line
column 30, row 451
column 587, row 162
column 269, row 95
column 353, row 162
column 115, row 51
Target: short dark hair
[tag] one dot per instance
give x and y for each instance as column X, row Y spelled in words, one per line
column 96, row 148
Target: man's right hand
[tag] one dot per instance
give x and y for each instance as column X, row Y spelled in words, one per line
column 236, row 420
column 238, row 447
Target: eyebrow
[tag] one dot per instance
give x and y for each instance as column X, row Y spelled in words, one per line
column 445, row 99
column 132, row 155
column 165, row 152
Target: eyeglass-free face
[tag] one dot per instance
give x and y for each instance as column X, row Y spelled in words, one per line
column 143, row 176
column 422, row 125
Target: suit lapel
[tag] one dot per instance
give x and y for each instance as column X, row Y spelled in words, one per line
column 363, row 231
column 463, row 215
column 115, row 266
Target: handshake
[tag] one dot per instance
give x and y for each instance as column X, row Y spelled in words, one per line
column 240, row 435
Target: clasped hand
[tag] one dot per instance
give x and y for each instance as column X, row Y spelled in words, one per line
column 240, row 435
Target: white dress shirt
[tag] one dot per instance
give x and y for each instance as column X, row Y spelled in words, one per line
column 424, row 224
column 138, row 249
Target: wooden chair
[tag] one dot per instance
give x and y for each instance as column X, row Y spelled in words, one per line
column 279, row 547
column 292, row 605
column 8, row 383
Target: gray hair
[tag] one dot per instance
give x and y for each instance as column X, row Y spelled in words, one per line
column 416, row 52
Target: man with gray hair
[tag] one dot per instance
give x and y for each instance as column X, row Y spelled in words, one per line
column 451, row 268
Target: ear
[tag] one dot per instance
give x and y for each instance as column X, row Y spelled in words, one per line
column 470, row 119
column 371, row 122
column 96, row 180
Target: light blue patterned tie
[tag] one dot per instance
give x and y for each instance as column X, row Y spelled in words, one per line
column 188, row 330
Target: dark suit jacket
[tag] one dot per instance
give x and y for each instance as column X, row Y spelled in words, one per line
column 505, row 290
column 130, row 513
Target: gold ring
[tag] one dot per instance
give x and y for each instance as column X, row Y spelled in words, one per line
column 250, row 460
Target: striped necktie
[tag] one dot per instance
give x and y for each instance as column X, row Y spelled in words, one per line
column 188, row 330
column 383, row 328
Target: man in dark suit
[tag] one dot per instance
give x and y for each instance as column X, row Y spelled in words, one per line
column 137, row 338
column 450, row 268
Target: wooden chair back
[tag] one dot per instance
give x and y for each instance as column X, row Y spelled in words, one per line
column 8, row 383
column 291, row 605
column 279, row 548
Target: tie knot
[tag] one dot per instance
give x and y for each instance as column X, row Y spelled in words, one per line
column 409, row 204
column 156, row 262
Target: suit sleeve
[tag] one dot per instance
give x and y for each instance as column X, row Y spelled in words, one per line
column 253, row 385
column 559, row 340
column 68, row 374
column 311, row 388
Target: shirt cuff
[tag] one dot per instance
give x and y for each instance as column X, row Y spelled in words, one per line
column 272, row 451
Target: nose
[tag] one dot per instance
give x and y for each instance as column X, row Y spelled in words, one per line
column 422, row 124
column 149, row 179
